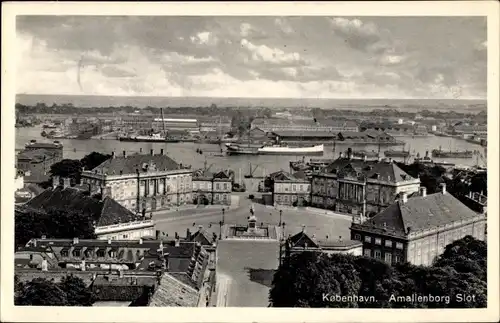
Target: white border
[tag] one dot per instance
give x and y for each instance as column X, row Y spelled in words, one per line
column 56, row 314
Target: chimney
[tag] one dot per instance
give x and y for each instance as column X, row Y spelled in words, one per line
column 124, row 154
column 340, row 239
column 443, row 188
column 379, row 158
column 423, row 191
column 404, row 198
column 140, row 241
column 55, row 181
column 152, row 152
column 188, row 234
column 76, row 240
column 161, row 151
column 200, row 227
column 140, row 150
column 177, row 242
column 303, row 228
column 45, row 265
column 408, row 230
column 112, row 154
column 66, row 182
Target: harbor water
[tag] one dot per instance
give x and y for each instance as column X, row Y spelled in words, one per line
column 186, row 153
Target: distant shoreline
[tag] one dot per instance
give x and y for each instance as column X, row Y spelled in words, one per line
column 464, row 105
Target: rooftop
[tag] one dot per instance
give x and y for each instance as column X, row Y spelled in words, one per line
column 172, row 292
column 130, row 164
column 286, row 176
column 420, row 213
column 105, row 212
column 37, row 155
column 374, row 169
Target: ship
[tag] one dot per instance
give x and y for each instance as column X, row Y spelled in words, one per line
column 364, row 153
column 396, row 153
column 439, row 153
column 242, row 149
column 290, row 150
column 155, row 137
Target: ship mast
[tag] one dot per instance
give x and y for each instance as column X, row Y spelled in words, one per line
column 163, row 123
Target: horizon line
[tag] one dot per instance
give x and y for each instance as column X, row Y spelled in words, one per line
column 243, row 97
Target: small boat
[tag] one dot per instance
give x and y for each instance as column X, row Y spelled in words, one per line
column 364, row 153
column 438, row 153
column 396, row 153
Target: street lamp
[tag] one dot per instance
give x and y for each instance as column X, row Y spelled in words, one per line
column 223, row 211
column 221, row 223
column 281, row 213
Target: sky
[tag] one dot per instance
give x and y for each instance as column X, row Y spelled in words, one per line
column 264, row 57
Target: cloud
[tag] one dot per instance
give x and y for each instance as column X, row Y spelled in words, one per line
column 252, row 56
column 359, row 35
column 266, row 54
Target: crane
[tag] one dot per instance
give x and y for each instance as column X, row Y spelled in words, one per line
column 251, row 171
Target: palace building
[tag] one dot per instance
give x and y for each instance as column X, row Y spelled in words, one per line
column 360, row 186
column 212, row 188
column 417, row 229
column 141, row 182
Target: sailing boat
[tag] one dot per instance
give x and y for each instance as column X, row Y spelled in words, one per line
column 397, row 153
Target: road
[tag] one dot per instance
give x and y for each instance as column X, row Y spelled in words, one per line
column 246, row 269
column 315, row 222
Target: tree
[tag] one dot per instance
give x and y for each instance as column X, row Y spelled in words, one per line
column 40, row 292
column 69, row 168
column 467, row 255
column 93, row 160
column 77, row 293
column 64, row 224
column 304, row 278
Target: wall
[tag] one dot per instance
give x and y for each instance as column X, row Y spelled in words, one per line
column 128, row 234
column 423, row 251
column 18, row 183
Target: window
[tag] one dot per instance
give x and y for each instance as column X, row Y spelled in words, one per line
column 397, row 259
column 100, row 253
column 367, row 252
column 125, row 236
column 301, row 187
column 378, row 241
column 76, row 253
column 64, row 253
column 388, row 257
column 388, row 243
column 378, row 254
column 294, row 187
column 399, row 245
column 217, row 186
column 357, row 237
column 368, row 239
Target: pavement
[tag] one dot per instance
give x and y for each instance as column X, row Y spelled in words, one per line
column 315, row 220
column 245, row 269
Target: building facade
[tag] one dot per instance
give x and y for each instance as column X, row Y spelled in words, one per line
column 289, row 189
column 56, row 148
column 36, row 163
column 280, row 124
column 212, row 188
column 360, row 186
column 302, row 242
column 142, row 183
column 417, row 229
